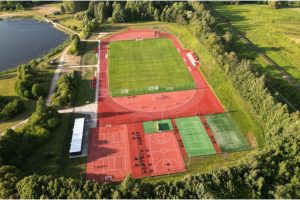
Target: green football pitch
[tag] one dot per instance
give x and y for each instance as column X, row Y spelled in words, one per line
column 195, row 139
column 227, row 135
column 146, row 66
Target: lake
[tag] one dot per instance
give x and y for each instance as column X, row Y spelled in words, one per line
column 23, row 39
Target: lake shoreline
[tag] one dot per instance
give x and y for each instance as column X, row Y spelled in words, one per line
column 44, row 42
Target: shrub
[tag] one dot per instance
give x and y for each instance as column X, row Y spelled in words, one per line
column 65, row 92
column 11, row 109
column 74, row 48
column 37, row 90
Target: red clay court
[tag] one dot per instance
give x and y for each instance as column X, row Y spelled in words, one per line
column 119, row 146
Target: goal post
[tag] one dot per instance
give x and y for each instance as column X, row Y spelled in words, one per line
column 139, row 39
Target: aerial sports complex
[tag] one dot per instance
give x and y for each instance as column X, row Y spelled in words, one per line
column 155, row 109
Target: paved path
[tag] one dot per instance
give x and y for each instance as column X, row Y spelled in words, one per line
column 56, row 75
column 79, row 66
column 89, row 109
column 17, row 125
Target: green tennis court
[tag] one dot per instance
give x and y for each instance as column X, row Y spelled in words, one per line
column 227, row 135
column 157, row 126
column 194, row 136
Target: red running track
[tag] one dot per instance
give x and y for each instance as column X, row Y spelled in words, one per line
column 115, row 111
column 119, row 146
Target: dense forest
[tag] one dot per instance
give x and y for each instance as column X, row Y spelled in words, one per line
column 273, row 172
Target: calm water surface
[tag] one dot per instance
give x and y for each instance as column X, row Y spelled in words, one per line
column 24, row 39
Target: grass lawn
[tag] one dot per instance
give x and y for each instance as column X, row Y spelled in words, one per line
column 84, row 91
column 7, row 82
column 280, row 88
column 67, row 20
column 275, row 32
column 148, row 66
column 87, row 53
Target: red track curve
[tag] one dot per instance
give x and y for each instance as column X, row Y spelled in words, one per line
column 110, row 112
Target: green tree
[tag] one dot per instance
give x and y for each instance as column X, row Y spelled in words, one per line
column 156, row 14
column 118, row 14
column 74, row 48
column 11, row 148
column 29, row 187
column 9, row 176
column 37, row 90
column 62, row 9
column 75, row 6
column 101, row 13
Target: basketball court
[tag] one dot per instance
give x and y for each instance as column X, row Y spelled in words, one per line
column 165, row 155
column 194, row 136
column 227, row 135
column 109, row 156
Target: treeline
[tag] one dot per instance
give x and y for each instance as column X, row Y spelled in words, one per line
column 117, row 12
column 8, row 5
column 9, row 108
column 131, row 11
column 17, row 145
column 12, row 5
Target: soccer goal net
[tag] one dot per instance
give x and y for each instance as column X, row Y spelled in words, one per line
column 139, row 39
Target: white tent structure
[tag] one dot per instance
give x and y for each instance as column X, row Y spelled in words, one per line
column 76, row 142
